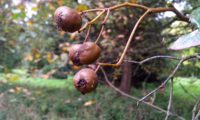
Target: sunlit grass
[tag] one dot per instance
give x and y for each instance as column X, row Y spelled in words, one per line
column 20, row 77
column 48, row 83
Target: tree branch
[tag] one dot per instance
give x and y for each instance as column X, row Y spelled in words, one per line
column 170, row 100
column 137, row 99
column 151, row 58
column 194, row 115
column 170, row 76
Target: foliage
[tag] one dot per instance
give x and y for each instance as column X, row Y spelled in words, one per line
column 33, row 23
column 23, row 25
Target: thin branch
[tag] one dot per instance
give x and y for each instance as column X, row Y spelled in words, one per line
column 169, row 77
column 100, row 33
column 97, row 68
column 170, row 100
column 127, row 4
column 153, row 10
column 137, row 99
column 88, row 33
column 92, row 21
column 181, row 16
column 197, row 116
column 164, row 83
column 91, row 10
column 151, row 58
column 195, row 110
column 128, row 42
column 103, row 25
column 172, row 9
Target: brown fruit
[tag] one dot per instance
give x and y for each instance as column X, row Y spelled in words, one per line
column 85, row 80
column 85, row 53
column 67, row 19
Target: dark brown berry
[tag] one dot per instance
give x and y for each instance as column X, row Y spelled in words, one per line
column 67, row 19
column 85, row 53
column 85, row 80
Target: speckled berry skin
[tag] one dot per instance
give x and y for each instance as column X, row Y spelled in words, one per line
column 85, row 80
column 67, row 19
column 85, row 53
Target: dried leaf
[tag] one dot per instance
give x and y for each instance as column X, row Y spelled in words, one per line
column 89, row 103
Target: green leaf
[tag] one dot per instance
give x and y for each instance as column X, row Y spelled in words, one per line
column 195, row 17
column 186, row 41
column 21, row 15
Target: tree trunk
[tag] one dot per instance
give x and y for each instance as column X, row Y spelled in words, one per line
column 125, row 85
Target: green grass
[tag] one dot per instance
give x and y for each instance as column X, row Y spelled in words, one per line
column 190, row 86
column 19, row 77
column 58, row 100
column 45, row 83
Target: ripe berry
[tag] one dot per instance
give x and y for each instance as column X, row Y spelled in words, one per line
column 85, row 53
column 67, row 19
column 85, row 80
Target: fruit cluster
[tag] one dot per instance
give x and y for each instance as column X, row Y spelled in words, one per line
column 69, row 20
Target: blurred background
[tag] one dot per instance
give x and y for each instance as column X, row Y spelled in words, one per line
column 36, row 74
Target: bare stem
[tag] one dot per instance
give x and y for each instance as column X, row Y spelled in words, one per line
column 127, row 44
column 88, row 33
column 93, row 20
column 152, row 58
column 169, row 77
column 170, row 100
column 103, row 25
column 127, row 4
column 135, row 98
column 92, row 10
column 194, row 115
